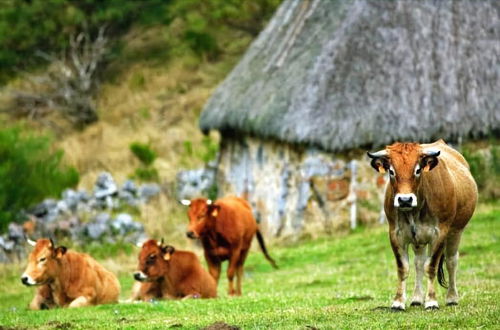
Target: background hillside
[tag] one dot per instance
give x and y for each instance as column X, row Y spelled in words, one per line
column 163, row 59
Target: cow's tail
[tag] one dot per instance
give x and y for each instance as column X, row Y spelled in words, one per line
column 264, row 250
column 441, row 278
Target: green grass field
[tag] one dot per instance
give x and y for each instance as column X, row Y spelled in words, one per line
column 338, row 282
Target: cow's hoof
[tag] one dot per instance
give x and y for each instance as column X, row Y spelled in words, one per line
column 416, row 303
column 398, row 306
column 452, row 303
column 431, row 305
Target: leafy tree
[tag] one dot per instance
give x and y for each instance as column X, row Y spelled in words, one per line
column 31, row 26
column 30, row 170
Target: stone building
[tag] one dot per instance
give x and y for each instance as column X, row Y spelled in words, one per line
column 327, row 80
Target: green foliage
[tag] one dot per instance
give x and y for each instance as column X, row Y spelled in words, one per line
column 343, row 282
column 147, row 156
column 143, row 152
column 146, row 174
column 211, row 148
column 202, row 18
column 29, row 171
column 484, row 165
column 45, row 25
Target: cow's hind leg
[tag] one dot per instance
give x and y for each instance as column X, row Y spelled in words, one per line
column 420, row 257
column 80, row 302
column 401, row 255
column 239, row 271
column 451, row 253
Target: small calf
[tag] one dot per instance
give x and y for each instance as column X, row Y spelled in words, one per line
column 167, row 273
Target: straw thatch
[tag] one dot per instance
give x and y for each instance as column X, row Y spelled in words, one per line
column 344, row 74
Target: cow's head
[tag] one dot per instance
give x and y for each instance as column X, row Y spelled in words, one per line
column 202, row 214
column 405, row 163
column 43, row 262
column 153, row 260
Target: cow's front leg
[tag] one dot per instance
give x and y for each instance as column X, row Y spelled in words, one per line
column 420, row 257
column 231, row 270
column 401, row 255
column 43, row 298
column 436, row 250
column 213, row 266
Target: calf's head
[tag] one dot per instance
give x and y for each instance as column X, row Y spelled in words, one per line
column 202, row 214
column 405, row 163
column 153, row 261
column 43, row 262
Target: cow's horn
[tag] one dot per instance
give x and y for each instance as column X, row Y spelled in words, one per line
column 378, row 154
column 30, row 242
column 432, row 152
column 186, row 202
column 209, row 202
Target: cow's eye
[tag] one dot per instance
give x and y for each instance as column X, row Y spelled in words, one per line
column 42, row 259
column 391, row 172
column 418, row 170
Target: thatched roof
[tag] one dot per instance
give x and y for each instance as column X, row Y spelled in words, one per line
column 343, row 74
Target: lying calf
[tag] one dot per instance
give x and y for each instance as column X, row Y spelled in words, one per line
column 67, row 278
column 167, row 273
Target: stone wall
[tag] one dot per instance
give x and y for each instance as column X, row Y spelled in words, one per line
column 297, row 191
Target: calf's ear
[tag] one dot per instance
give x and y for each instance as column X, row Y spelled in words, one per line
column 213, row 210
column 167, row 252
column 60, row 251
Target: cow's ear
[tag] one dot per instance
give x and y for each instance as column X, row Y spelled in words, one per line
column 380, row 160
column 213, row 210
column 60, row 251
column 167, row 252
column 428, row 163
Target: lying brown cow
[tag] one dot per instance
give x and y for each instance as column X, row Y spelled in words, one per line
column 429, row 200
column 67, row 278
column 226, row 229
column 167, row 273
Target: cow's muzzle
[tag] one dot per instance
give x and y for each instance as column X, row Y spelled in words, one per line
column 405, row 201
column 26, row 280
column 191, row 235
column 139, row 276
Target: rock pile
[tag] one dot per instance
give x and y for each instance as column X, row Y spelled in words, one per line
column 83, row 217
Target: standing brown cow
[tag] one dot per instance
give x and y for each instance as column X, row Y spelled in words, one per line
column 226, row 229
column 67, row 278
column 167, row 273
column 429, row 200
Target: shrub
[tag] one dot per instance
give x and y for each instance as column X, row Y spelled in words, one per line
column 143, row 152
column 146, row 174
column 30, row 170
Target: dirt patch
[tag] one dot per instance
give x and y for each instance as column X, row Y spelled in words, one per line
column 59, row 325
column 221, row 326
column 2, row 327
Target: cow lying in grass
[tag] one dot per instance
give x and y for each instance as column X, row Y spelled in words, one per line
column 67, row 278
column 226, row 229
column 429, row 200
column 167, row 273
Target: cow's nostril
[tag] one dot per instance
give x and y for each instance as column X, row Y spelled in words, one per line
column 405, row 200
column 24, row 279
column 137, row 276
